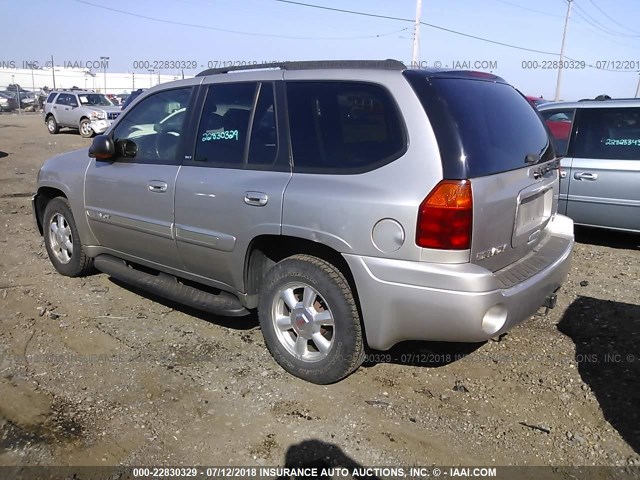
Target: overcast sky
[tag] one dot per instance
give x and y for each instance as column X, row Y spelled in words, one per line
column 601, row 33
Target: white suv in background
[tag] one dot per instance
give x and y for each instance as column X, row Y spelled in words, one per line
column 91, row 113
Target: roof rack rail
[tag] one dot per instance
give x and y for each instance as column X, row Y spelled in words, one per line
column 388, row 64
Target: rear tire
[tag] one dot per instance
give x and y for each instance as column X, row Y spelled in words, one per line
column 310, row 320
column 61, row 238
column 52, row 125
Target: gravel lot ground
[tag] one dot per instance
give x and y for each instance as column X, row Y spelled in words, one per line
column 93, row 372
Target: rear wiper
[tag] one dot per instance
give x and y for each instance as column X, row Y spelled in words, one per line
column 532, row 158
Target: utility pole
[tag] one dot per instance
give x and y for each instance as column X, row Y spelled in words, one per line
column 638, row 87
column 564, row 37
column 415, row 57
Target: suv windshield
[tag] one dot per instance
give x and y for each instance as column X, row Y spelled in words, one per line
column 96, row 99
column 483, row 127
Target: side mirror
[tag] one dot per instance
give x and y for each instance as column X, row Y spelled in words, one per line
column 102, row 148
column 127, row 148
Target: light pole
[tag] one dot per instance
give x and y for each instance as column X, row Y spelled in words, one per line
column 151, row 77
column 53, row 72
column 105, row 62
column 93, row 75
column 638, row 87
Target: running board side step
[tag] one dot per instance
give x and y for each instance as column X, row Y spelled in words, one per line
column 166, row 286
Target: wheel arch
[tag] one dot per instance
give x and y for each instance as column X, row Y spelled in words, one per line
column 265, row 251
column 42, row 198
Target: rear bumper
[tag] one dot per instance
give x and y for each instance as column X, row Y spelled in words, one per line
column 403, row 300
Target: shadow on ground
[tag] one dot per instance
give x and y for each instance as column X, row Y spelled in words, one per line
column 608, row 238
column 607, row 339
column 3, row 154
column 319, row 454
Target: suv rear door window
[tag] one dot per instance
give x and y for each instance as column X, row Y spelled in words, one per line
column 64, row 99
column 488, row 125
column 224, row 125
column 611, row 133
column 343, row 127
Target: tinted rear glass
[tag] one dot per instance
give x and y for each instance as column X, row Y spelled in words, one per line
column 343, row 127
column 489, row 125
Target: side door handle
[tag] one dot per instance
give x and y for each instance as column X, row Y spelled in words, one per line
column 157, row 186
column 585, row 176
column 257, row 199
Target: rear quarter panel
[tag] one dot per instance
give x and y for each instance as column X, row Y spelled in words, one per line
column 342, row 210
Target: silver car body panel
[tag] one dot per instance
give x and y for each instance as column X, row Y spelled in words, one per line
column 201, row 225
column 601, row 193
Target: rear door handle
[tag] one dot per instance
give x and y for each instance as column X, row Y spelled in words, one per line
column 585, row 176
column 157, row 186
column 257, row 199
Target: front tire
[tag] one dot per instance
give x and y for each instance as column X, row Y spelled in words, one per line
column 52, row 125
column 85, row 128
column 310, row 320
column 66, row 252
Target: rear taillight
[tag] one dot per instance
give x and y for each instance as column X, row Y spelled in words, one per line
column 445, row 216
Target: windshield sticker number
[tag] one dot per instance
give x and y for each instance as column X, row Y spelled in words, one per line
column 622, row 142
column 224, row 135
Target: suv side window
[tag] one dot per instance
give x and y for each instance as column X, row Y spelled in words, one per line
column 559, row 123
column 63, row 99
column 224, row 125
column 51, row 97
column 343, row 127
column 608, row 133
column 154, row 127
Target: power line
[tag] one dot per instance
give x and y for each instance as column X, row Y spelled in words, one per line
column 582, row 13
column 437, row 27
column 611, row 18
column 238, row 32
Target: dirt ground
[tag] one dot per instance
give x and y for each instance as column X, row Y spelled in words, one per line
column 93, row 372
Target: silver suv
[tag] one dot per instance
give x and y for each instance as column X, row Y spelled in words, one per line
column 91, row 113
column 353, row 204
column 599, row 142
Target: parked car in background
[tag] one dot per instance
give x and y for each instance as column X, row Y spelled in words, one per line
column 599, row 141
column 8, row 102
column 131, row 97
column 297, row 192
column 536, row 101
column 91, row 113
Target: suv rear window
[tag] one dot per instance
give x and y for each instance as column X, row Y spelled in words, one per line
column 488, row 124
column 343, row 127
column 51, row 96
